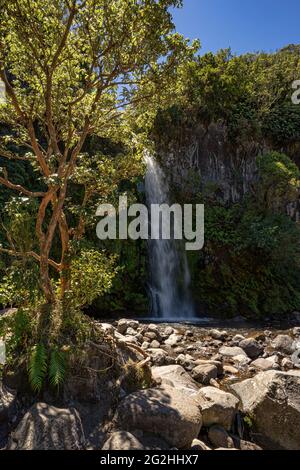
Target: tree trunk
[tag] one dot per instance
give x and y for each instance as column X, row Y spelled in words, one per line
column 45, row 279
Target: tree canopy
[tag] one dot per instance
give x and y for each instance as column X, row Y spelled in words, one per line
column 73, row 69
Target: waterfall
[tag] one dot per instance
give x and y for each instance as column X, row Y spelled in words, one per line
column 169, row 271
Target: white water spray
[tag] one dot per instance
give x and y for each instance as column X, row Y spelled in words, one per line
column 169, row 271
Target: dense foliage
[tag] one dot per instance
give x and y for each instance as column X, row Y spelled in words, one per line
column 89, row 85
column 250, row 93
column 250, row 263
column 75, row 77
column 251, row 260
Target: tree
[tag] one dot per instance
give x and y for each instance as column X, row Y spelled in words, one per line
column 71, row 70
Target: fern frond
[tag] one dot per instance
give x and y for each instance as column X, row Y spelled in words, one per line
column 57, row 368
column 37, row 368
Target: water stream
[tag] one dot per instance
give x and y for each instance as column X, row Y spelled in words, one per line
column 169, row 271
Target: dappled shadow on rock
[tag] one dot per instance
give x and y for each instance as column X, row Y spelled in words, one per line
column 45, row 427
column 164, row 412
column 122, row 440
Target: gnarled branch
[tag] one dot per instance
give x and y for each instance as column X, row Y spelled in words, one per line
column 17, row 187
column 28, row 254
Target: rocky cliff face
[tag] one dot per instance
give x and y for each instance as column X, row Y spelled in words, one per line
column 204, row 159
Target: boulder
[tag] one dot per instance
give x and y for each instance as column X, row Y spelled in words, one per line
column 287, row 364
column 241, row 361
column 176, row 376
column 204, row 373
column 296, row 345
column 237, row 339
column 179, row 350
column 272, row 399
column 153, row 327
column 95, row 386
column 219, row 335
column 246, row 445
column 217, row 407
column 198, row 345
column 199, row 445
column 214, row 383
column 139, row 337
column 173, row 340
column 170, row 361
column 131, row 331
column 7, row 401
column 215, row 343
column 151, row 442
column 107, row 328
column 296, row 359
column 232, row 351
column 158, row 356
column 218, row 364
column 165, row 412
column 224, row 448
column 283, row 344
column 251, row 347
column 230, row 370
column 216, row 357
column 186, row 361
column 189, row 333
column 168, row 331
column 274, row 359
column 124, row 323
column 145, row 345
column 8, row 412
column 122, row 440
column 219, row 437
column 131, row 339
column 181, row 360
column 189, row 357
column 154, row 344
column 150, row 335
column 190, row 348
column 259, row 336
column 45, row 427
column 262, row 364
column 268, row 333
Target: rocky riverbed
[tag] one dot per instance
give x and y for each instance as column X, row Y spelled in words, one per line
column 245, row 383
column 210, row 389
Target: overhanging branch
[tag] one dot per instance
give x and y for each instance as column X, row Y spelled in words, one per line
column 18, row 187
column 30, row 254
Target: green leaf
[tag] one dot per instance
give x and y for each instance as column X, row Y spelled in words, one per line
column 37, row 367
column 57, row 368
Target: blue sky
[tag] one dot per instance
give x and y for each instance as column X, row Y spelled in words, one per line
column 244, row 25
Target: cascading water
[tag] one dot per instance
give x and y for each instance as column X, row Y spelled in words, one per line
column 169, row 271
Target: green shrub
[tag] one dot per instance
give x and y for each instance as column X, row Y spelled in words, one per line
column 92, row 274
column 251, row 259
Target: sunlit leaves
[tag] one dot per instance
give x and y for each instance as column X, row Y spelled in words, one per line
column 110, row 46
column 92, row 275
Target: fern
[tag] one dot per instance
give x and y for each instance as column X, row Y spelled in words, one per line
column 57, row 368
column 37, row 367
